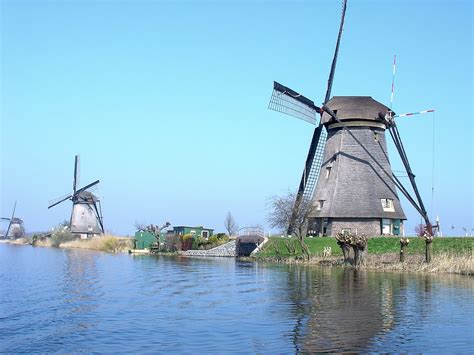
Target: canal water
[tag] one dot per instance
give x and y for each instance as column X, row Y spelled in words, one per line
column 54, row 300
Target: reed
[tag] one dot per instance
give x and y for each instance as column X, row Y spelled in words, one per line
column 106, row 242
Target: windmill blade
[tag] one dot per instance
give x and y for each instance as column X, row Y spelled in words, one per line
column 76, row 171
column 310, row 173
column 99, row 216
column 5, row 218
column 61, row 200
column 289, row 102
column 313, row 173
column 11, row 220
column 87, row 186
column 414, row 113
column 336, row 52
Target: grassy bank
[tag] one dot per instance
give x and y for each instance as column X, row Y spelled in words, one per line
column 277, row 247
column 451, row 255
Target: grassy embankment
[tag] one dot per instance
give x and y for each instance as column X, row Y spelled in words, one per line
column 452, row 255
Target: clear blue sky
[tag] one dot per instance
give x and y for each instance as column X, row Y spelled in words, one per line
column 166, row 102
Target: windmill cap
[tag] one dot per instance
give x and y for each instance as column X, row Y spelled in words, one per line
column 355, row 108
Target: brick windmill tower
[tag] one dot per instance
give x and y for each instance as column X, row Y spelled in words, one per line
column 347, row 178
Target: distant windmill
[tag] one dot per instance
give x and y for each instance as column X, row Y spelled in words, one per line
column 86, row 215
column 15, row 228
column 357, row 189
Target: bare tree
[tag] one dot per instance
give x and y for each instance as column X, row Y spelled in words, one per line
column 230, row 224
column 281, row 212
column 155, row 230
column 140, row 226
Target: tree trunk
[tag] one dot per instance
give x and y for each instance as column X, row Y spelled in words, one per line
column 304, row 249
column 402, row 253
column 428, row 249
column 346, row 251
column 403, row 247
column 359, row 256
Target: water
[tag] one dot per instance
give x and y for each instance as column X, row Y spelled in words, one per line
column 56, row 300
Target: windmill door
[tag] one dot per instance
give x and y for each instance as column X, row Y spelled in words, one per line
column 386, row 226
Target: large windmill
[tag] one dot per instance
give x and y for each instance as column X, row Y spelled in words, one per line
column 16, row 227
column 356, row 190
column 86, row 216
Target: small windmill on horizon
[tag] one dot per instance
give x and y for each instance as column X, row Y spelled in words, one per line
column 86, row 216
column 16, row 228
column 347, row 175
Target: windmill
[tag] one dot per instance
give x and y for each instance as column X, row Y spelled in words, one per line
column 15, row 228
column 86, row 215
column 357, row 190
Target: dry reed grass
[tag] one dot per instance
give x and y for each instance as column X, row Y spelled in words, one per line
column 451, row 263
column 106, row 242
column 448, row 263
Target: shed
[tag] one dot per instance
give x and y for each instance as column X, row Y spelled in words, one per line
column 198, row 231
column 144, row 239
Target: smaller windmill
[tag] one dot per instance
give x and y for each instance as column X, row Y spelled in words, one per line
column 15, row 228
column 86, row 216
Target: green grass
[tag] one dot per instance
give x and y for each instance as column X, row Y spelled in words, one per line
column 376, row 245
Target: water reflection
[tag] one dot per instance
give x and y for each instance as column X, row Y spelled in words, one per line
column 79, row 288
column 55, row 300
column 351, row 310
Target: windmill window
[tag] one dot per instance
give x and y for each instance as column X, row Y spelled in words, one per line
column 328, row 172
column 387, row 205
column 319, row 205
column 376, row 136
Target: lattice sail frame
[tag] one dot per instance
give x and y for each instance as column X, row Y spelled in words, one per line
column 315, row 170
column 289, row 102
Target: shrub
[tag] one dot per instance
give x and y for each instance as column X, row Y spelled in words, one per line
column 60, row 236
column 110, row 244
column 173, row 243
column 222, row 238
column 187, row 242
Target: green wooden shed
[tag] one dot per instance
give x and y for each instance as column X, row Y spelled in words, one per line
column 198, row 231
column 143, row 240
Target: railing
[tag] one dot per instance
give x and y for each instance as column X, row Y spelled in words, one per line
column 251, row 231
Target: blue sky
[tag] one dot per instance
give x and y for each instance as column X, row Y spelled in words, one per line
column 166, row 102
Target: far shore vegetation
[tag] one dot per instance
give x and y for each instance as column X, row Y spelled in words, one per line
column 450, row 254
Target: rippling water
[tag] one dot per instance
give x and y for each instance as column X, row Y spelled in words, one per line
column 77, row 300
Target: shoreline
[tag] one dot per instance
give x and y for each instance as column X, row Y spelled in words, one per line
column 388, row 262
column 442, row 263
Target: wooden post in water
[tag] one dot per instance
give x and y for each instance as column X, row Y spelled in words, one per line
column 403, row 246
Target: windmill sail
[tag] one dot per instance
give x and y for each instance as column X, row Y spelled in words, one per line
column 11, row 220
column 289, row 102
column 313, row 174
